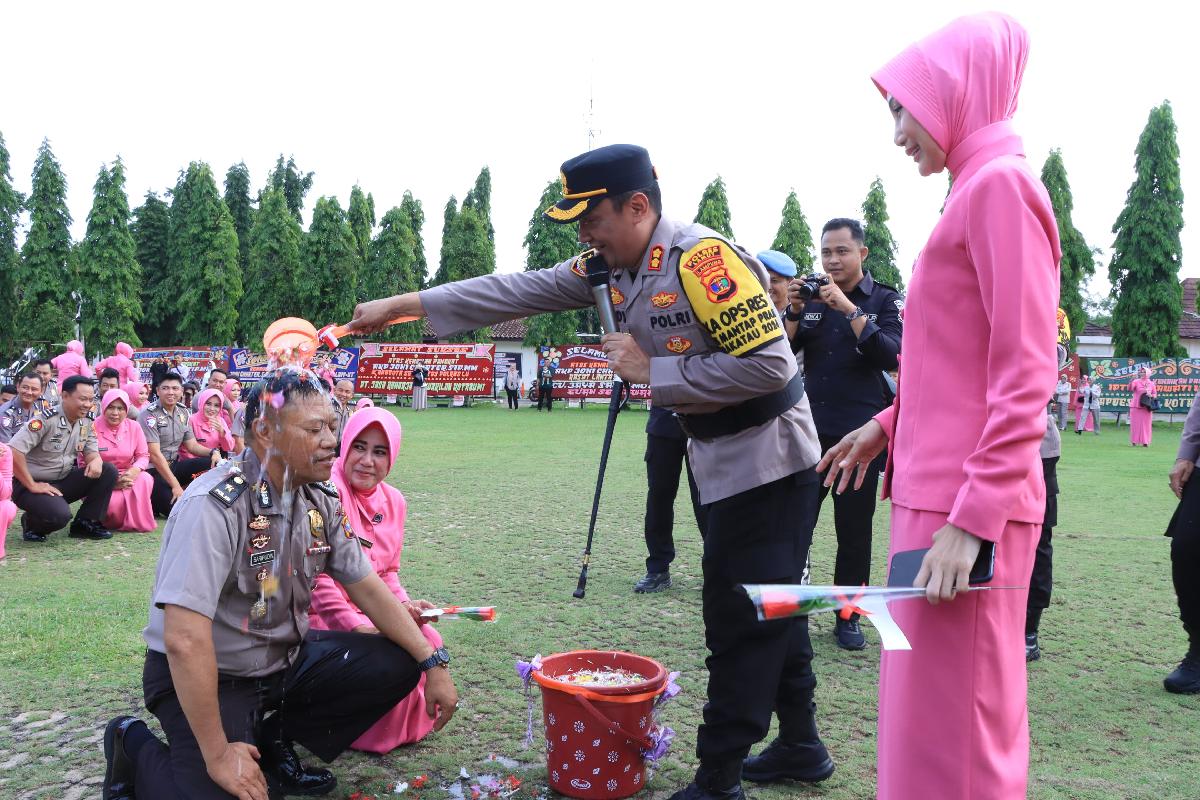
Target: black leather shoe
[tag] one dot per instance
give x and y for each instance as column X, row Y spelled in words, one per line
column 282, row 767
column 653, row 582
column 118, row 772
column 1032, row 651
column 30, row 536
column 713, row 784
column 849, row 634
column 88, row 529
column 1186, row 677
column 800, row 761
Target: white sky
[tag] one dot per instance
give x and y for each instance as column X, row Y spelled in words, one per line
column 396, row 96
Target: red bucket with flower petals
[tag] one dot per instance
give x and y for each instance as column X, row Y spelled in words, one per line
column 595, row 734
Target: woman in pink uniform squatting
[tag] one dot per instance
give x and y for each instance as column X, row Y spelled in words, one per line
column 979, row 335
column 376, row 512
column 123, row 445
column 208, row 427
column 1140, row 431
column 8, row 509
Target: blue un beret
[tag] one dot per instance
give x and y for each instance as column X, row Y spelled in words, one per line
column 777, row 262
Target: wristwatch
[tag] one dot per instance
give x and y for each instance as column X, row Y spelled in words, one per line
column 791, row 317
column 855, row 314
column 440, row 658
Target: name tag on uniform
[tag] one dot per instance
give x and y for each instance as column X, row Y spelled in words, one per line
column 318, row 548
column 265, row 557
column 812, row 316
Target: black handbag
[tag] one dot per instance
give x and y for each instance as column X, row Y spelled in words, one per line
column 1149, row 403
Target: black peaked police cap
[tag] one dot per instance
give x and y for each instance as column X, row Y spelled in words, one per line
column 597, row 174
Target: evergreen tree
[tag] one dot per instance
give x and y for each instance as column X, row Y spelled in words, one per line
column 448, row 215
column 42, row 279
column 392, row 269
column 203, row 258
column 1078, row 263
column 469, row 253
column 480, row 199
column 294, row 184
column 275, row 268
column 109, row 276
column 329, row 287
column 714, row 209
column 361, row 215
column 794, row 236
column 11, row 202
column 548, row 243
column 881, row 248
column 1146, row 254
column 151, row 231
column 416, row 222
column 237, row 200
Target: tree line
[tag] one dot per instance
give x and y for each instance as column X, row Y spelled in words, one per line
column 201, row 266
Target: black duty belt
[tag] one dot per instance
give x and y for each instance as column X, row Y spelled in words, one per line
column 750, row 414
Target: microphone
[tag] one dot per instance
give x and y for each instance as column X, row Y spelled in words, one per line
column 597, row 276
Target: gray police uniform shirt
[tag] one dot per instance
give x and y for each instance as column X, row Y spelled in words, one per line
column 699, row 308
column 169, row 430
column 343, row 415
column 13, row 416
column 53, row 445
column 1051, row 441
column 1189, row 443
column 224, row 549
column 238, row 425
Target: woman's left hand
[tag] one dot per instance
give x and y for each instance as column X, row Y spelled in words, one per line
column 947, row 566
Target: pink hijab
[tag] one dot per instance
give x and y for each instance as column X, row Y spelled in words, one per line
column 132, row 390
column 364, row 402
column 102, row 426
column 204, row 397
column 71, row 362
column 960, row 79
column 381, row 510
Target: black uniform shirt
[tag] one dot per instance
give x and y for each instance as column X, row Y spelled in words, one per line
column 843, row 372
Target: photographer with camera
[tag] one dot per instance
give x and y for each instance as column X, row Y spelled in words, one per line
column 849, row 329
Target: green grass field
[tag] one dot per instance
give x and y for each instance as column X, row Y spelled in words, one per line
column 498, row 509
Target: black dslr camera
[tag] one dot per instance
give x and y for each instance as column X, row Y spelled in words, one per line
column 810, row 285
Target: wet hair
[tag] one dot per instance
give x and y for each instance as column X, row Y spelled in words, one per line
column 109, row 372
column 652, row 192
column 287, row 382
column 855, row 227
column 74, row 382
column 30, row 376
column 171, row 376
column 42, row 361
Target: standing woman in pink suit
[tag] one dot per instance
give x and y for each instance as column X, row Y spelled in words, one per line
column 1140, row 417
column 8, row 509
column 375, row 511
column 122, row 444
column 71, row 362
column 979, row 336
column 122, row 361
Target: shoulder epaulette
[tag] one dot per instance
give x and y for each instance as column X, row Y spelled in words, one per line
column 230, row 489
column 328, row 487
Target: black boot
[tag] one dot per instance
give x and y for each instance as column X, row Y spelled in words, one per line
column 88, row 529
column 1186, row 677
column 282, row 766
column 849, row 633
column 29, row 535
column 653, row 582
column 118, row 772
column 796, row 754
column 714, row 783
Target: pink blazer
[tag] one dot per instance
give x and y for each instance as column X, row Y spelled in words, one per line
column 978, row 350
column 123, row 446
column 207, row 435
column 1140, row 387
column 71, row 362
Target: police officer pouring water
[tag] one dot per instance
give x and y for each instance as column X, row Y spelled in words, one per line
column 232, row 671
column 45, row 453
column 697, row 326
column 848, row 327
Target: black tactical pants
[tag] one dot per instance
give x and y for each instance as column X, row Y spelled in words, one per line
column 1041, row 580
column 340, row 685
column 666, row 457
column 1184, row 531
column 184, row 470
column 46, row 513
column 757, row 536
column 853, row 516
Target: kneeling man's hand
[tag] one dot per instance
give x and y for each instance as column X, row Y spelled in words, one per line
column 441, row 697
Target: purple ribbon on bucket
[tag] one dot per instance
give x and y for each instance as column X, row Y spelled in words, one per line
column 525, row 670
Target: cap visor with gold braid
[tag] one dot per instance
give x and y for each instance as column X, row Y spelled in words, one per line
column 611, row 170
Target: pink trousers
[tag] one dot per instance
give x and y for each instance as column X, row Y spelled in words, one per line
column 8, row 511
column 953, row 721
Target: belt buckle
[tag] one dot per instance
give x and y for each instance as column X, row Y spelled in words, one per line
column 683, row 425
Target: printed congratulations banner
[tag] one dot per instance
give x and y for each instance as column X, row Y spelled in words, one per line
column 582, row 371
column 462, row 369
column 248, row 366
column 197, row 360
column 1177, row 380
